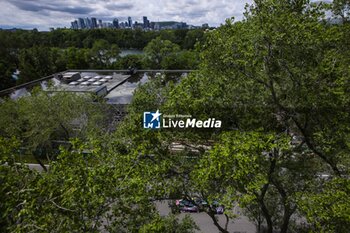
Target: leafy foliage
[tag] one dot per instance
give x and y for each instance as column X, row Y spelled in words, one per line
column 278, row 80
column 329, row 209
column 43, row 119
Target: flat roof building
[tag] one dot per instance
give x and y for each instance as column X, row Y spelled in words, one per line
column 115, row 86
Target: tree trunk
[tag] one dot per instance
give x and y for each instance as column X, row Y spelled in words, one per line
column 212, row 216
column 267, row 217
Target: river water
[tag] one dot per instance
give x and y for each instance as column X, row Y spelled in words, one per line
column 125, row 52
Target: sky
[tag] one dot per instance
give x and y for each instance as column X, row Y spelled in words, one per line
column 44, row 14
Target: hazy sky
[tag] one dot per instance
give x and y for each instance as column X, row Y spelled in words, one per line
column 43, row 14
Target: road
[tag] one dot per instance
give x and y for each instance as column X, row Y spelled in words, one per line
column 205, row 223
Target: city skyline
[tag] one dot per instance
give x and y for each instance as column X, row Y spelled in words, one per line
column 144, row 24
column 44, row 14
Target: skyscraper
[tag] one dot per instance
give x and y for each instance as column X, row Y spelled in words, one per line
column 130, row 21
column 81, row 24
column 145, row 22
column 115, row 23
column 87, row 22
column 93, row 22
column 75, row 25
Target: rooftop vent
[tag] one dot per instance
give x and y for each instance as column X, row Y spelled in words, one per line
column 97, row 83
column 73, row 83
column 85, row 83
column 70, row 76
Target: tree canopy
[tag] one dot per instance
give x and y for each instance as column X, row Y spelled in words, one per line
column 278, row 80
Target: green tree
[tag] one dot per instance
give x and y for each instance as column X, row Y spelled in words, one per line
column 128, row 61
column 103, row 54
column 181, row 60
column 16, row 184
column 76, row 58
column 258, row 172
column 328, row 210
column 6, row 72
column 170, row 224
column 42, row 119
column 156, row 52
column 90, row 188
column 8, row 62
column 193, row 37
column 341, row 8
column 283, row 70
column 35, row 63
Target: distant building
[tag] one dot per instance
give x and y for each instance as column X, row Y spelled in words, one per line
column 170, row 25
column 205, row 25
column 75, row 25
column 138, row 25
column 129, row 22
column 87, row 22
column 157, row 26
column 81, row 23
column 145, row 22
column 193, row 27
column 180, row 25
column 115, row 23
column 94, row 23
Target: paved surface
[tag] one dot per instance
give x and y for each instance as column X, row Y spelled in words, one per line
column 206, row 225
column 123, row 93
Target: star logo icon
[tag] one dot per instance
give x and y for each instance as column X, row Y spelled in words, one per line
column 156, row 116
column 151, row 120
